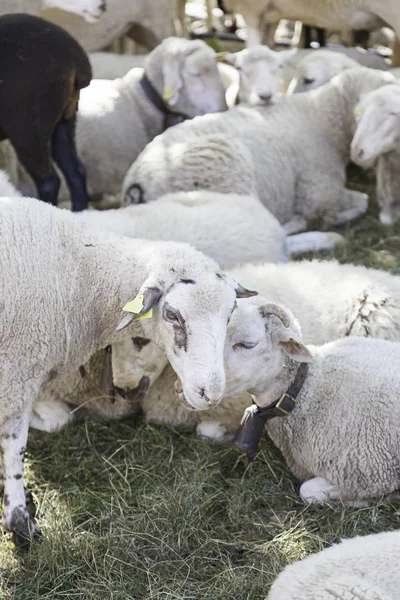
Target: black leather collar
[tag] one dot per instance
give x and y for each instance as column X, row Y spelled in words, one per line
column 249, row 433
column 170, row 117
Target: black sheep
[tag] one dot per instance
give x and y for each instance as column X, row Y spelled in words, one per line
column 42, row 70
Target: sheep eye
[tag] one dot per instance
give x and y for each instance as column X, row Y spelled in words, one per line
column 244, row 345
column 308, row 81
column 171, row 316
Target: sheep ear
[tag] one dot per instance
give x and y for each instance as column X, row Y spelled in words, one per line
column 141, row 307
column 241, row 292
column 229, row 58
column 285, row 55
column 296, row 350
column 172, row 67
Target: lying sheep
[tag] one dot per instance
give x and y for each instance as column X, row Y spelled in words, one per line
column 260, row 70
column 306, row 136
column 339, row 431
column 90, row 10
column 377, row 138
column 317, row 68
column 361, row 568
column 331, row 300
column 39, row 99
column 196, row 218
column 6, row 187
column 118, row 118
column 62, row 290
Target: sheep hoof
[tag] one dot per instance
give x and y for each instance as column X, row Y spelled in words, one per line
column 24, row 528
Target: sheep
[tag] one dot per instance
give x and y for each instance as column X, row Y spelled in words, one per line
column 116, row 119
column 7, row 189
column 331, row 300
column 351, row 385
column 377, row 138
column 260, row 70
column 146, row 21
column 196, row 217
column 329, row 14
column 317, row 68
column 61, row 296
column 361, row 568
column 39, row 99
column 306, row 136
column 90, row 10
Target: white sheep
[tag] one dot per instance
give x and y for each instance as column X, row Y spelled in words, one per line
column 361, row 568
column 331, row 300
column 317, row 68
column 264, row 15
column 341, row 437
column 90, row 10
column 7, row 189
column 305, row 137
column 196, row 218
column 146, row 21
column 63, row 287
column 260, row 70
column 116, row 119
column 377, row 138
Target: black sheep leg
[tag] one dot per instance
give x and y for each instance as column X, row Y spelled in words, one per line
column 65, row 156
column 37, row 163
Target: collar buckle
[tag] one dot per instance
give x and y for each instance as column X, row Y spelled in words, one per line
column 282, row 400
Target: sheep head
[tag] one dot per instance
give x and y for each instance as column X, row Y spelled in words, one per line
column 259, row 334
column 90, row 10
column 191, row 303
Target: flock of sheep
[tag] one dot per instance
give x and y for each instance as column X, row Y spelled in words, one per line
column 93, row 319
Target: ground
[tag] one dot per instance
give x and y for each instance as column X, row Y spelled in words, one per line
column 131, row 511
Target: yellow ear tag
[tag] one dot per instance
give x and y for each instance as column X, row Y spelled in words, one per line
column 358, row 112
column 135, row 306
column 168, row 93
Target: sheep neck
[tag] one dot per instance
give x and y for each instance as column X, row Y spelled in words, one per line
column 279, row 384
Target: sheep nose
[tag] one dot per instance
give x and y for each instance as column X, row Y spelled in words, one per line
column 211, row 401
column 265, row 97
column 359, row 154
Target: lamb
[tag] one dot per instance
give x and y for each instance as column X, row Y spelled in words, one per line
column 90, row 10
column 148, row 22
column 324, row 395
column 196, row 217
column 317, row 68
column 7, row 189
column 361, row 568
column 116, row 119
column 306, row 136
column 331, row 300
column 260, row 70
column 46, row 332
column 39, row 100
column 377, row 139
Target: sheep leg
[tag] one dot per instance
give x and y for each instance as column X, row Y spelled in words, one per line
column 16, row 517
column 357, row 204
column 313, row 241
column 39, row 167
column 66, row 157
column 296, row 225
column 319, row 491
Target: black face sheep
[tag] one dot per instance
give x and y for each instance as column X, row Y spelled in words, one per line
column 42, row 70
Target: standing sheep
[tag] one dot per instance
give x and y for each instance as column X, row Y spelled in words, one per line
column 306, row 136
column 62, row 291
column 361, row 568
column 42, row 70
column 117, row 119
column 90, row 10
